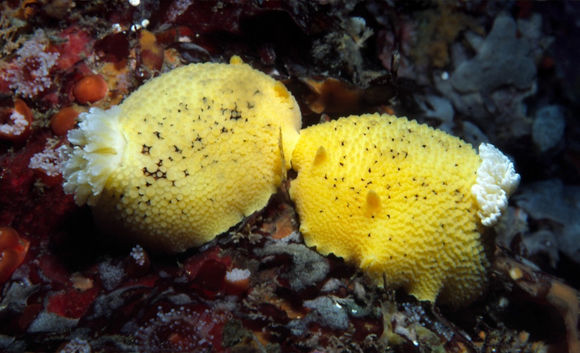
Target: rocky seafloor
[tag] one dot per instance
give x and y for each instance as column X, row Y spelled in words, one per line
column 503, row 72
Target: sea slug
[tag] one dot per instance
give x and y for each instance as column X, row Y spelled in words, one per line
column 395, row 198
column 186, row 156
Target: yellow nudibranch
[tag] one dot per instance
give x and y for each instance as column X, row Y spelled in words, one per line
column 186, row 156
column 405, row 202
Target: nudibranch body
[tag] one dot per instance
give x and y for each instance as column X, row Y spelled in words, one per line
column 395, row 197
column 186, row 156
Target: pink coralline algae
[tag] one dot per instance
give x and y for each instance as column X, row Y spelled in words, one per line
column 76, row 345
column 15, row 122
column 192, row 328
column 19, row 124
column 50, row 160
column 29, row 74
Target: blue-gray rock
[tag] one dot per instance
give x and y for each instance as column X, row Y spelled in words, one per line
column 502, row 60
column 328, row 313
column 548, row 128
column 557, row 206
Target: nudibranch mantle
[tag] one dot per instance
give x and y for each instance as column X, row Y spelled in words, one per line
column 186, row 156
column 395, row 198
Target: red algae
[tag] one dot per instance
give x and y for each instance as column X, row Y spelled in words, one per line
column 72, row 303
column 13, row 250
column 207, row 272
column 75, row 47
column 113, row 48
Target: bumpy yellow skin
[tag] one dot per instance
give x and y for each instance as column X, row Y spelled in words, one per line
column 203, row 149
column 393, row 197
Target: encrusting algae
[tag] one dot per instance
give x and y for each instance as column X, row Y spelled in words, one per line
column 186, row 156
column 395, row 197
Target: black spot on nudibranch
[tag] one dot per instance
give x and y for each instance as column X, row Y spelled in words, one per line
column 146, row 149
column 235, row 114
column 157, row 134
column 157, row 174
